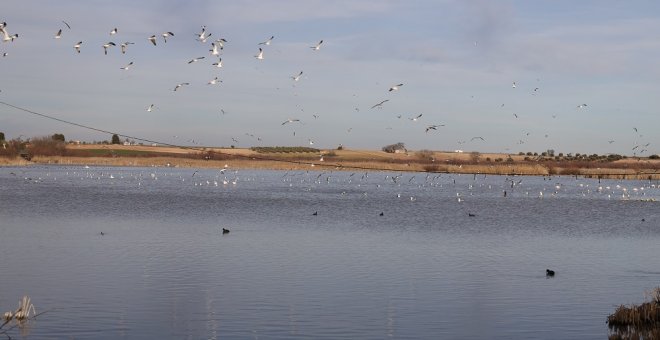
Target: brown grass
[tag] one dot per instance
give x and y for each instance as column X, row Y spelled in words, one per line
column 351, row 160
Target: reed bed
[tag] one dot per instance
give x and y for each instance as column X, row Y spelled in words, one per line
column 637, row 321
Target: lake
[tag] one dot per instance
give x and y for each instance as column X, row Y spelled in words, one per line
column 309, row 255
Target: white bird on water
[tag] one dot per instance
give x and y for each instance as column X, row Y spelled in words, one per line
column 260, row 56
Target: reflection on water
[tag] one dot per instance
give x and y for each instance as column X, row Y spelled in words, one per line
column 424, row 269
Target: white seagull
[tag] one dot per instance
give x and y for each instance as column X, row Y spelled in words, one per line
column 165, row 35
column 59, row 34
column 124, row 46
column 219, row 63
column 195, row 60
column 182, row 84
column 5, row 35
column 77, row 46
column 433, row 127
column 414, row 119
column 297, row 77
column 114, row 31
column 151, row 108
column 513, row 85
column 317, row 46
column 153, row 39
column 107, row 45
column 202, row 35
column 125, row 68
column 290, row 120
column 380, row 105
column 260, row 56
column 214, row 49
column 267, row 42
column 395, row 87
column 214, row 81
column 581, row 106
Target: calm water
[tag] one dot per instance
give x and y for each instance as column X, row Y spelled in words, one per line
column 425, row 269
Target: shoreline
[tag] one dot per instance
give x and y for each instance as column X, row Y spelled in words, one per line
column 437, row 162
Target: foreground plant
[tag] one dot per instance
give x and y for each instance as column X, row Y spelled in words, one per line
column 20, row 316
column 637, row 322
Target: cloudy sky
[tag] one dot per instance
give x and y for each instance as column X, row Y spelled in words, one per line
column 457, row 59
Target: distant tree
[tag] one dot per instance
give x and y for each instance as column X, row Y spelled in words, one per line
column 58, row 137
column 392, row 148
column 474, row 156
column 654, row 157
column 115, row 139
column 2, row 136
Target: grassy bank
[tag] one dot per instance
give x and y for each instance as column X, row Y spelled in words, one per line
column 349, row 160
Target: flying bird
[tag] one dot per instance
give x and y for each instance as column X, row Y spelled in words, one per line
column 414, row 119
column 473, row 138
column 513, row 85
column 127, row 66
column 380, row 105
column 290, row 120
column 297, row 77
column 214, row 49
column 317, row 46
column 106, row 46
column 114, row 31
column 67, row 25
column 124, row 46
column 153, row 39
column 267, row 42
column 151, row 108
column 59, row 34
column 182, row 84
column 77, row 46
column 201, row 36
column 214, row 81
column 260, row 56
column 433, row 127
column 165, row 35
column 395, row 87
column 581, row 106
column 5, row 35
column 195, row 60
column 219, row 63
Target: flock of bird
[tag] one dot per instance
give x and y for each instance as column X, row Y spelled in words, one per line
column 216, row 49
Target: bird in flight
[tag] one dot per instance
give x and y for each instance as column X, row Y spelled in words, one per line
column 59, row 34
column 201, row 36
column 67, row 25
column 106, row 46
column 433, row 127
column 582, row 106
column 214, row 81
column 219, row 63
column 165, row 35
column 214, row 49
column 260, row 56
column 114, row 31
column 153, row 39
column 317, row 46
column 267, row 42
column 127, row 66
column 290, row 120
column 395, row 87
column 473, row 138
column 414, row 119
column 195, row 60
column 178, row 86
column 151, row 108
column 5, row 35
column 380, row 105
column 297, row 77
column 77, row 46
column 513, row 85
column 124, row 46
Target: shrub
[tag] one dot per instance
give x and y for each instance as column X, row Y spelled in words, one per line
column 425, row 154
column 115, row 139
column 392, row 148
column 654, row 157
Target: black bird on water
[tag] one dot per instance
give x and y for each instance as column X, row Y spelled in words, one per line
column 315, row 213
column 549, row 273
column 225, row 231
column 472, row 215
column 102, row 234
column 382, row 213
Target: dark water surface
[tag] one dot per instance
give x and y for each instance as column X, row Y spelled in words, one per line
column 425, row 269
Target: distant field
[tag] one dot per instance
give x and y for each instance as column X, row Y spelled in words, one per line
column 288, row 158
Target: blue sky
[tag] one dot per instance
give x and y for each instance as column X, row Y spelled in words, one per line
column 456, row 59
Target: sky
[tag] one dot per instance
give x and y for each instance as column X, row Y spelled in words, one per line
column 457, row 60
